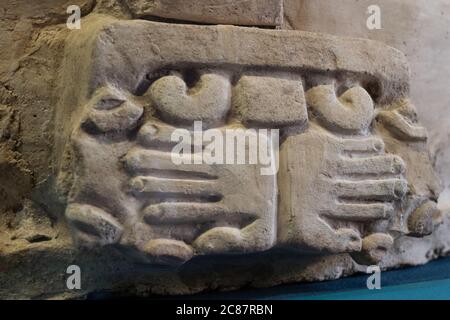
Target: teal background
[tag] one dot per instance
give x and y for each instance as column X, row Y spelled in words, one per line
column 427, row 282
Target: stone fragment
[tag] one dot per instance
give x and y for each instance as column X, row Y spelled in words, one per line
column 32, row 224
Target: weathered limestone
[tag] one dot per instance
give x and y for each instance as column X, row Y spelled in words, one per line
column 355, row 184
column 269, row 101
column 209, row 103
column 247, row 12
column 335, row 175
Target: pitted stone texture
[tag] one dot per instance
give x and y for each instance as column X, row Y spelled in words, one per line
column 237, row 12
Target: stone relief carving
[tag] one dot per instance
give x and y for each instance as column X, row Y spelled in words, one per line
column 344, row 184
column 91, row 175
column 355, row 184
column 350, row 184
column 158, row 210
column 403, row 135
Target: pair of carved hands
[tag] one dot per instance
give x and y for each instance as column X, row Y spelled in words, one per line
column 352, row 182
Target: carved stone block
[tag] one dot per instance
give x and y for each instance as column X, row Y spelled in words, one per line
column 354, row 183
column 340, row 190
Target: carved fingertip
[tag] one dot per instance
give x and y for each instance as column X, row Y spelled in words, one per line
column 137, row 185
column 424, row 220
column 168, row 251
column 378, row 145
column 92, row 225
column 398, row 165
column 400, row 189
column 351, row 239
column 374, row 248
column 389, row 211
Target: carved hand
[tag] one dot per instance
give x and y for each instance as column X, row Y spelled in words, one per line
column 221, row 208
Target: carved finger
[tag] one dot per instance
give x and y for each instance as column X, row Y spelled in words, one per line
column 424, row 220
column 122, row 118
column 366, row 145
column 360, row 212
column 396, row 124
column 184, row 212
column 92, row 225
column 371, row 166
column 153, row 134
column 345, row 240
column 351, row 112
column 322, row 238
column 374, row 248
column 168, row 251
column 167, row 164
column 220, row 240
column 384, row 190
column 156, row 135
column 208, row 101
column 180, row 187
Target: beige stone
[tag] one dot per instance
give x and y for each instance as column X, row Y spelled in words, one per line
column 209, row 101
column 355, row 184
column 248, row 12
column 269, row 101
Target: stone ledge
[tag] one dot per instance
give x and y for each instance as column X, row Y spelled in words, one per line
column 37, row 271
column 245, row 13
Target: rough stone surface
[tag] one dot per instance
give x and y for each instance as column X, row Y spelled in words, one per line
column 237, row 12
column 88, row 177
column 269, row 101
